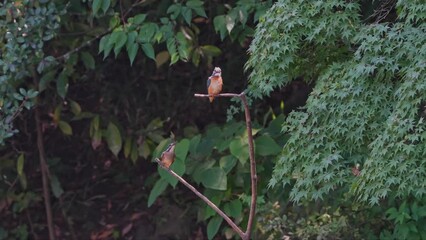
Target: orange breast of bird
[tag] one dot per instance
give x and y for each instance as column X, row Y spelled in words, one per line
column 215, row 86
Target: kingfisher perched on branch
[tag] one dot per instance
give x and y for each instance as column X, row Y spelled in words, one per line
column 168, row 156
column 214, row 83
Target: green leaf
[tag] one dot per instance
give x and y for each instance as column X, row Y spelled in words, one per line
column 96, row 5
column 211, row 50
column 156, row 191
column 120, row 40
column 103, row 42
column 62, row 84
column 239, row 148
column 230, row 23
column 144, row 150
column 46, row 79
column 132, row 50
column 213, row 226
column 147, row 32
column 75, row 107
column 65, row 127
column 265, row 145
column 113, row 138
column 219, row 23
column 174, row 10
column 139, row 18
column 105, row 5
column 148, row 50
column 187, row 14
column 20, row 164
column 88, row 60
column 214, row 178
column 182, row 149
column 233, row 208
column 56, row 186
column 227, row 163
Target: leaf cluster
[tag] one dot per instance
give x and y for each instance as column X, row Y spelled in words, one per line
column 368, row 103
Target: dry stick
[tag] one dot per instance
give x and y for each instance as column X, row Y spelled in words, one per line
column 43, row 165
column 243, row 235
column 204, row 198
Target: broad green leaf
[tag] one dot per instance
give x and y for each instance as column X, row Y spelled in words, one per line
column 187, row 14
column 156, row 191
column 46, row 79
column 239, row 148
column 219, row 23
column 211, row 50
column 96, row 5
column 132, row 50
column 214, row 178
column 230, row 23
column 146, row 32
column 139, row 18
column 182, row 148
column 174, row 10
column 144, row 150
column 88, row 60
column 113, row 138
column 266, row 146
column 62, row 84
column 233, row 208
column 56, row 186
column 65, row 127
column 148, row 50
column 227, row 163
column 120, row 40
column 20, row 164
column 103, row 42
column 174, row 58
column 105, row 5
column 213, row 226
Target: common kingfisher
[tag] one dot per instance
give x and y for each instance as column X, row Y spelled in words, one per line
column 168, row 156
column 214, row 83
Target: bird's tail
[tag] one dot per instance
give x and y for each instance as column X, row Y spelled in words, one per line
column 211, row 99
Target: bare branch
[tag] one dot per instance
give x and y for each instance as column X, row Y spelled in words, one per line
column 204, row 198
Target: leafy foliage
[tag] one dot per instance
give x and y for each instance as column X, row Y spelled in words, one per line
column 217, row 160
column 368, row 103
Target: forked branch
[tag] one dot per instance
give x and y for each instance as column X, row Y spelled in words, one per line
column 244, row 235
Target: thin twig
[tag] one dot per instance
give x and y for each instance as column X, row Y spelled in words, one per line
column 43, row 165
column 204, row 198
column 85, row 44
